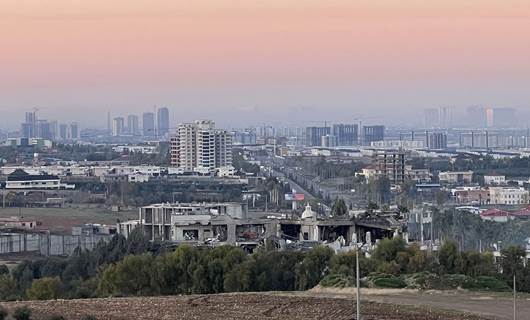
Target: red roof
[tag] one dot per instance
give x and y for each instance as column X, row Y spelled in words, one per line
column 495, row 213
column 522, row 212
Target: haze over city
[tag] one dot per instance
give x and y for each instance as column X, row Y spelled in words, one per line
column 246, row 62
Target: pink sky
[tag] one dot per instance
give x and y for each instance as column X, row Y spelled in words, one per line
column 221, row 55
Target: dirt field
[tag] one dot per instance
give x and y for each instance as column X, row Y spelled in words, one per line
column 490, row 304
column 63, row 219
column 232, row 306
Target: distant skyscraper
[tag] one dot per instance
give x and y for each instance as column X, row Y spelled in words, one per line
column 432, row 118
column 314, row 135
column 28, row 129
column 446, row 117
column 63, row 132
column 132, row 125
column 476, row 117
column 109, row 124
column 162, row 120
column 74, row 131
column 148, row 124
column 346, row 134
column 118, row 125
column 504, row 117
column 373, row 134
column 54, row 129
column 43, row 129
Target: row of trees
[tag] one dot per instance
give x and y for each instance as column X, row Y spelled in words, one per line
column 135, row 267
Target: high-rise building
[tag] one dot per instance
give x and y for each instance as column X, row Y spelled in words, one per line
column 391, row 165
column 118, row 126
column 329, row 141
column 346, row 134
column 74, row 131
column 247, row 136
column 54, row 129
column 148, row 124
column 28, row 129
column 200, row 147
column 314, row 135
column 504, row 117
column 162, row 121
column 432, row 118
column 109, row 124
column 63, row 131
column 132, row 125
column 438, row 118
column 43, row 129
column 373, row 134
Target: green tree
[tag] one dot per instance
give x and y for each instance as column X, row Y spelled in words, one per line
column 313, row 267
column 8, row 288
column 3, row 269
column 388, row 249
column 339, row 208
column 450, row 258
column 130, row 277
column 512, row 262
column 137, row 242
column 45, row 289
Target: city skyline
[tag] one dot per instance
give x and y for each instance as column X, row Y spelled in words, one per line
column 205, row 57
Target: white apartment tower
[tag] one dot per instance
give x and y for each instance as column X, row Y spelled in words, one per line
column 200, row 147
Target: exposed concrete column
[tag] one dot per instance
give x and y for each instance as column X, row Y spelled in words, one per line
column 316, row 234
column 231, row 233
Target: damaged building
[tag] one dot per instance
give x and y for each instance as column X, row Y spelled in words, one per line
column 231, row 223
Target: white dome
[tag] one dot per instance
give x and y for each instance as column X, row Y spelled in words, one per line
column 308, row 212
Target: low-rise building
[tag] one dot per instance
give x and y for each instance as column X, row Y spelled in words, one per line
column 20, row 179
column 496, row 215
column 494, row 180
column 473, row 196
column 508, row 196
column 456, row 177
column 18, row 223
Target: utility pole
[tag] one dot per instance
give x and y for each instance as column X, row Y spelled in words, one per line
column 357, row 275
column 358, row 283
column 514, row 296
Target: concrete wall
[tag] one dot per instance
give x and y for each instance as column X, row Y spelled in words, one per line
column 46, row 244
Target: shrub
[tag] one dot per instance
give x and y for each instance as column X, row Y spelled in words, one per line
column 388, row 281
column 486, row 283
column 3, row 269
column 453, row 281
column 22, row 313
column 88, row 317
column 44, row 289
column 3, row 313
column 56, row 317
column 422, row 280
column 338, row 281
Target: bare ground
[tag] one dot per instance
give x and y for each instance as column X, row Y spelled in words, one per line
column 233, row 306
column 63, row 219
column 489, row 304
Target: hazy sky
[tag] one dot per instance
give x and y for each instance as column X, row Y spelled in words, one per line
column 261, row 60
